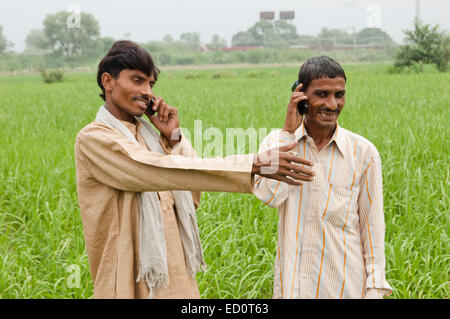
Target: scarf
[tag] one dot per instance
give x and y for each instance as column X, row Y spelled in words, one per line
column 153, row 256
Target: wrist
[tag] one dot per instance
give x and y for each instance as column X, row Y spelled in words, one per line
column 288, row 130
column 174, row 137
column 172, row 143
column 256, row 165
column 291, row 125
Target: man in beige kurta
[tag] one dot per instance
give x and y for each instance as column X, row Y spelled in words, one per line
column 112, row 171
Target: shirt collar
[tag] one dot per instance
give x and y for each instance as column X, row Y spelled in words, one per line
column 133, row 127
column 338, row 136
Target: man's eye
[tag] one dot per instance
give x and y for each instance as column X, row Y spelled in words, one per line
column 340, row 94
column 322, row 94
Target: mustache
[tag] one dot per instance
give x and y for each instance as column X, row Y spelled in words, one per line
column 337, row 111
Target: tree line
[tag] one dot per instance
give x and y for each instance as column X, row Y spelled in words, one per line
column 57, row 45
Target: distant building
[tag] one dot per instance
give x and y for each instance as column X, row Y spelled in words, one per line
column 287, row 15
column 267, row 15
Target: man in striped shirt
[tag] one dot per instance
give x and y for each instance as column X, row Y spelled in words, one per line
column 331, row 230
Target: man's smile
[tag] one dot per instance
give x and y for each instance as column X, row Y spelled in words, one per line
column 143, row 103
column 328, row 115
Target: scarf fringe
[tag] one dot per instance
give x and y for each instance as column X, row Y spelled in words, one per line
column 153, row 280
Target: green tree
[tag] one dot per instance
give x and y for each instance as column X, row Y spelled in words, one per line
column 191, row 39
column 265, row 33
column 332, row 37
column 104, row 44
column 217, row 42
column 4, row 43
column 70, row 42
column 168, row 38
column 34, row 41
column 373, row 36
column 285, row 30
column 424, row 44
column 244, row 38
column 261, row 30
column 283, row 34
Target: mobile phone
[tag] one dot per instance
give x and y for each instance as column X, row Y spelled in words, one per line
column 150, row 110
column 302, row 106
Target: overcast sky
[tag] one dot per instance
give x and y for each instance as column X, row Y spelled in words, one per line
column 153, row 19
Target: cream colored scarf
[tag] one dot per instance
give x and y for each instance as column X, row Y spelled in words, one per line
column 153, row 255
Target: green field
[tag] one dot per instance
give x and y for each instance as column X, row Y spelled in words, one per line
column 406, row 116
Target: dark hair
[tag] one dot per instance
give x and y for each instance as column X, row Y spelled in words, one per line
column 125, row 55
column 319, row 67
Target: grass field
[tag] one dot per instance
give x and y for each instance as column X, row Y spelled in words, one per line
column 41, row 240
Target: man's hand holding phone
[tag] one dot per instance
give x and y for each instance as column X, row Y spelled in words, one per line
column 293, row 117
column 165, row 119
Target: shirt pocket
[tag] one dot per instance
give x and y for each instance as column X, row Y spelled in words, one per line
column 341, row 206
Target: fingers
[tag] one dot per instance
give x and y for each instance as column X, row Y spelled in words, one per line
column 282, row 168
column 299, row 98
column 165, row 112
column 289, row 177
column 284, row 154
column 163, row 109
column 296, row 97
column 158, row 101
column 299, row 87
column 157, row 105
column 291, row 158
column 288, row 147
column 154, row 107
column 288, row 180
column 298, row 172
column 295, row 176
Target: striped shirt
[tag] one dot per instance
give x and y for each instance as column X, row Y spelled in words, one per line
column 331, row 230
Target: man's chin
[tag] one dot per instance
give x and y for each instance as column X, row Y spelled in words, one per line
column 330, row 123
column 325, row 124
column 139, row 113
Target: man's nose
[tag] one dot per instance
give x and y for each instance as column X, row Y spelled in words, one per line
column 332, row 103
column 147, row 92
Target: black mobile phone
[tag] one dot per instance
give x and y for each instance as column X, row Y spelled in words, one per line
column 302, row 106
column 149, row 107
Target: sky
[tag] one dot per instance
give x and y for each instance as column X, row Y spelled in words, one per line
column 153, row 19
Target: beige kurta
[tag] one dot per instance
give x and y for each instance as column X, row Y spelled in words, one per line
column 110, row 171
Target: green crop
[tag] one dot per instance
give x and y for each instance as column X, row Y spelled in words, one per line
column 406, row 116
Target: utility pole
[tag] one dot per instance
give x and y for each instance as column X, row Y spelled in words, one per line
column 418, row 9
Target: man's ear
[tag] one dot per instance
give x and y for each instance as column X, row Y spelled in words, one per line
column 107, row 81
